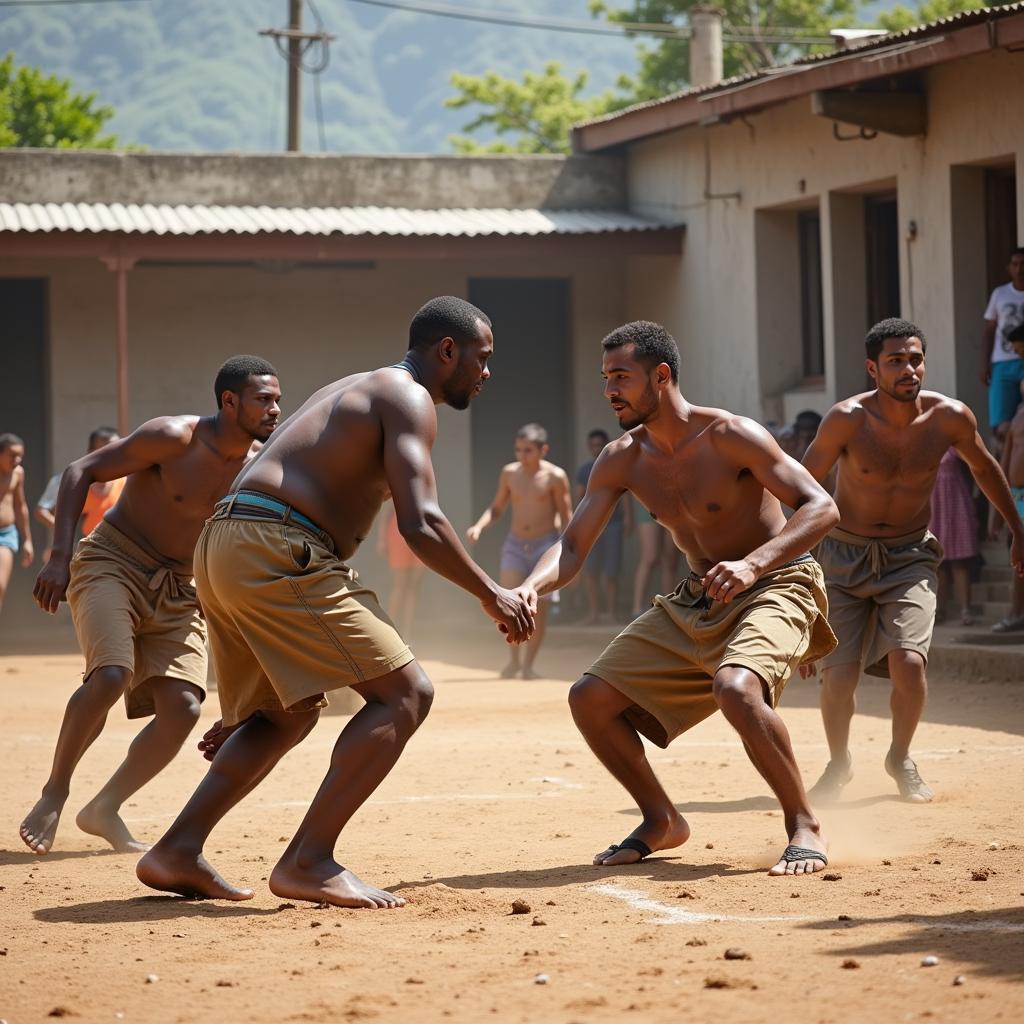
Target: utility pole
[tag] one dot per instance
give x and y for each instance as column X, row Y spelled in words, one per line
column 298, row 42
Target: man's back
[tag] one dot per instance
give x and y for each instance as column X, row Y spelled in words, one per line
column 327, row 460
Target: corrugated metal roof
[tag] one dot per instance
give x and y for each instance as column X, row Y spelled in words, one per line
column 853, row 48
column 149, row 219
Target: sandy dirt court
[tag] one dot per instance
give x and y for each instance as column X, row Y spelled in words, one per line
column 498, row 799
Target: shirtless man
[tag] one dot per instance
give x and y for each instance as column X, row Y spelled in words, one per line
column 13, row 510
column 880, row 564
column 130, row 589
column 538, row 492
column 729, row 636
column 290, row 621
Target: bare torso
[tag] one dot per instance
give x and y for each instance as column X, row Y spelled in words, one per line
column 163, row 508
column 327, row 459
column 714, row 508
column 534, row 499
column 887, row 472
column 8, row 483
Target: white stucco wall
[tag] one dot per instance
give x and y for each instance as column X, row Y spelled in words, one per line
column 785, row 157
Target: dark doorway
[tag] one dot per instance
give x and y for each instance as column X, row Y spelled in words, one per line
column 23, row 347
column 882, row 246
column 812, row 320
column 531, row 383
column 1000, row 222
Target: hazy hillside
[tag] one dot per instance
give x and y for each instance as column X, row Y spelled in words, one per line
column 194, row 75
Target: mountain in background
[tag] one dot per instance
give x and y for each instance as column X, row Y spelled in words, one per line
column 194, row 75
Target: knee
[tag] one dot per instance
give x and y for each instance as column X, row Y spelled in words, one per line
column 737, row 693
column 106, row 685
column 182, row 708
column 586, row 696
column 906, row 667
column 418, row 697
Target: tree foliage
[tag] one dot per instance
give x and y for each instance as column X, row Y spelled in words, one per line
column 665, row 64
column 537, row 111
column 43, row 111
column 900, row 18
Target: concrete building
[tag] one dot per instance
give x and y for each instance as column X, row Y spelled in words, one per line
column 819, row 197
column 126, row 279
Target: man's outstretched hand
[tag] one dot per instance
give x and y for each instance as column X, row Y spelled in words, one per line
column 514, row 611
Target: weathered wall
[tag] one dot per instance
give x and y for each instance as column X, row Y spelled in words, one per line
column 786, row 158
column 416, row 182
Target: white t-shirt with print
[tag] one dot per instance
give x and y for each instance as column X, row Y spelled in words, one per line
column 1006, row 307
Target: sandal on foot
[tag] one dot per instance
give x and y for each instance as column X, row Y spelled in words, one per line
column 792, row 853
column 1009, row 625
column 631, row 843
column 909, row 782
column 833, row 779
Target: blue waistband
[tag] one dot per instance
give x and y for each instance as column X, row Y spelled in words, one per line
column 253, row 499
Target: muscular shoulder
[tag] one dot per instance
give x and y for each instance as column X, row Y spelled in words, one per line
column 555, row 473
column 951, row 412
column 394, row 394
column 729, row 430
column 172, row 428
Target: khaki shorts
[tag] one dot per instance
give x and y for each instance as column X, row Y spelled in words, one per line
column 665, row 661
column 881, row 596
column 288, row 620
column 133, row 612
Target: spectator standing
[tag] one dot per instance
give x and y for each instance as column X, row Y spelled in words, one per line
column 604, row 564
column 955, row 523
column 1002, row 369
column 14, row 528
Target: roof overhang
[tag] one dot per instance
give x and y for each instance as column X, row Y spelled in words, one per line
column 234, row 233
column 896, row 55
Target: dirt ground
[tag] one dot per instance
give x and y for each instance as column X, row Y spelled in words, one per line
column 498, row 799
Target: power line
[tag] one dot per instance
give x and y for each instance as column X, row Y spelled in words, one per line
column 620, row 30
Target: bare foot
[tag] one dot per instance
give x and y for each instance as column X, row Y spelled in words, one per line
column 40, row 825
column 214, row 737
column 803, row 841
column 329, row 882
column 837, row 774
column 660, row 835
column 107, row 824
column 509, row 671
column 187, row 874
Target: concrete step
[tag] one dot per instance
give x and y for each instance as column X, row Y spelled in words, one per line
column 975, row 652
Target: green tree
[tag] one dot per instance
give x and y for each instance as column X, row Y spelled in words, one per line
column 40, row 110
column 665, row 65
column 899, row 17
column 538, row 111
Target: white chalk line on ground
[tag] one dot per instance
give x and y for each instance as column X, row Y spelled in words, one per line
column 670, row 914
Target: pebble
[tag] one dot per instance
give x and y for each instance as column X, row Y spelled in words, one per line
column 709, row 846
column 539, row 922
column 540, row 979
column 959, row 980
column 844, row 917
column 851, row 965
column 696, row 942
column 732, row 953
column 831, row 876
column 993, row 846
column 520, row 907
column 152, row 979
column 685, row 895
column 930, row 961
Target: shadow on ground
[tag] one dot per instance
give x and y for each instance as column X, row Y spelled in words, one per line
column 991, row 939
column 144, row 908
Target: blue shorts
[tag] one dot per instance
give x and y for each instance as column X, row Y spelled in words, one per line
column 9, row 537
column 1004, row 391
column 1018, row 497
column 605, row 556
column 521, row 556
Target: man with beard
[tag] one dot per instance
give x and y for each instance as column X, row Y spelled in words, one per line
column 880, row 564
column 131, row 592
column 728, row 637
column 290, row 621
